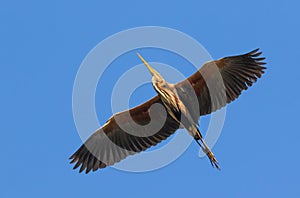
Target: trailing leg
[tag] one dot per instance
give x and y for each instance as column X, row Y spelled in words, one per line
column 206, row 150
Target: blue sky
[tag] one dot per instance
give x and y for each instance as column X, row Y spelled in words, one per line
column 42, row 47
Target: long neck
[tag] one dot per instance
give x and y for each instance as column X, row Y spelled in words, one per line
column 170, row 100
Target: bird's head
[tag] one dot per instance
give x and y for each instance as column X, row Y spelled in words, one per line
column 158, row 81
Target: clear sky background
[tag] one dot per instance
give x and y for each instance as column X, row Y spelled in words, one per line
column 42, row 45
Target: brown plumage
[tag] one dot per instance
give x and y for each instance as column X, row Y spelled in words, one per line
column 111, row 143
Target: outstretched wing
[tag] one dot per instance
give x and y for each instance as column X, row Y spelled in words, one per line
column 220, row 82
column 125, row 134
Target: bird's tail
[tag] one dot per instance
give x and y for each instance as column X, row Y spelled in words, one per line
column 205, row 148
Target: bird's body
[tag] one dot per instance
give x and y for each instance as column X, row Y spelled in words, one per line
column 212, row 87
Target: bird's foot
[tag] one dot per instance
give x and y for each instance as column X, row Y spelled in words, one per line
column 209, row 154
column 213, row 160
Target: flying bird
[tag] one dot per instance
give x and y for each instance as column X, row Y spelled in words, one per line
column 214, row 85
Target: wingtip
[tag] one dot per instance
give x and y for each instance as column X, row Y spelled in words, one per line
column 254, row 52
column 81, row 169
column 72, row 161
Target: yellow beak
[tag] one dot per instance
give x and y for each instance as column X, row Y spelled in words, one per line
column 152, row 71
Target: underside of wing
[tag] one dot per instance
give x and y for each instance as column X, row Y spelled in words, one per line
column 220, row 82
column 125, row 134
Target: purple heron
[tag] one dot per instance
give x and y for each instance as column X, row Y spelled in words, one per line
column 111, row 143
